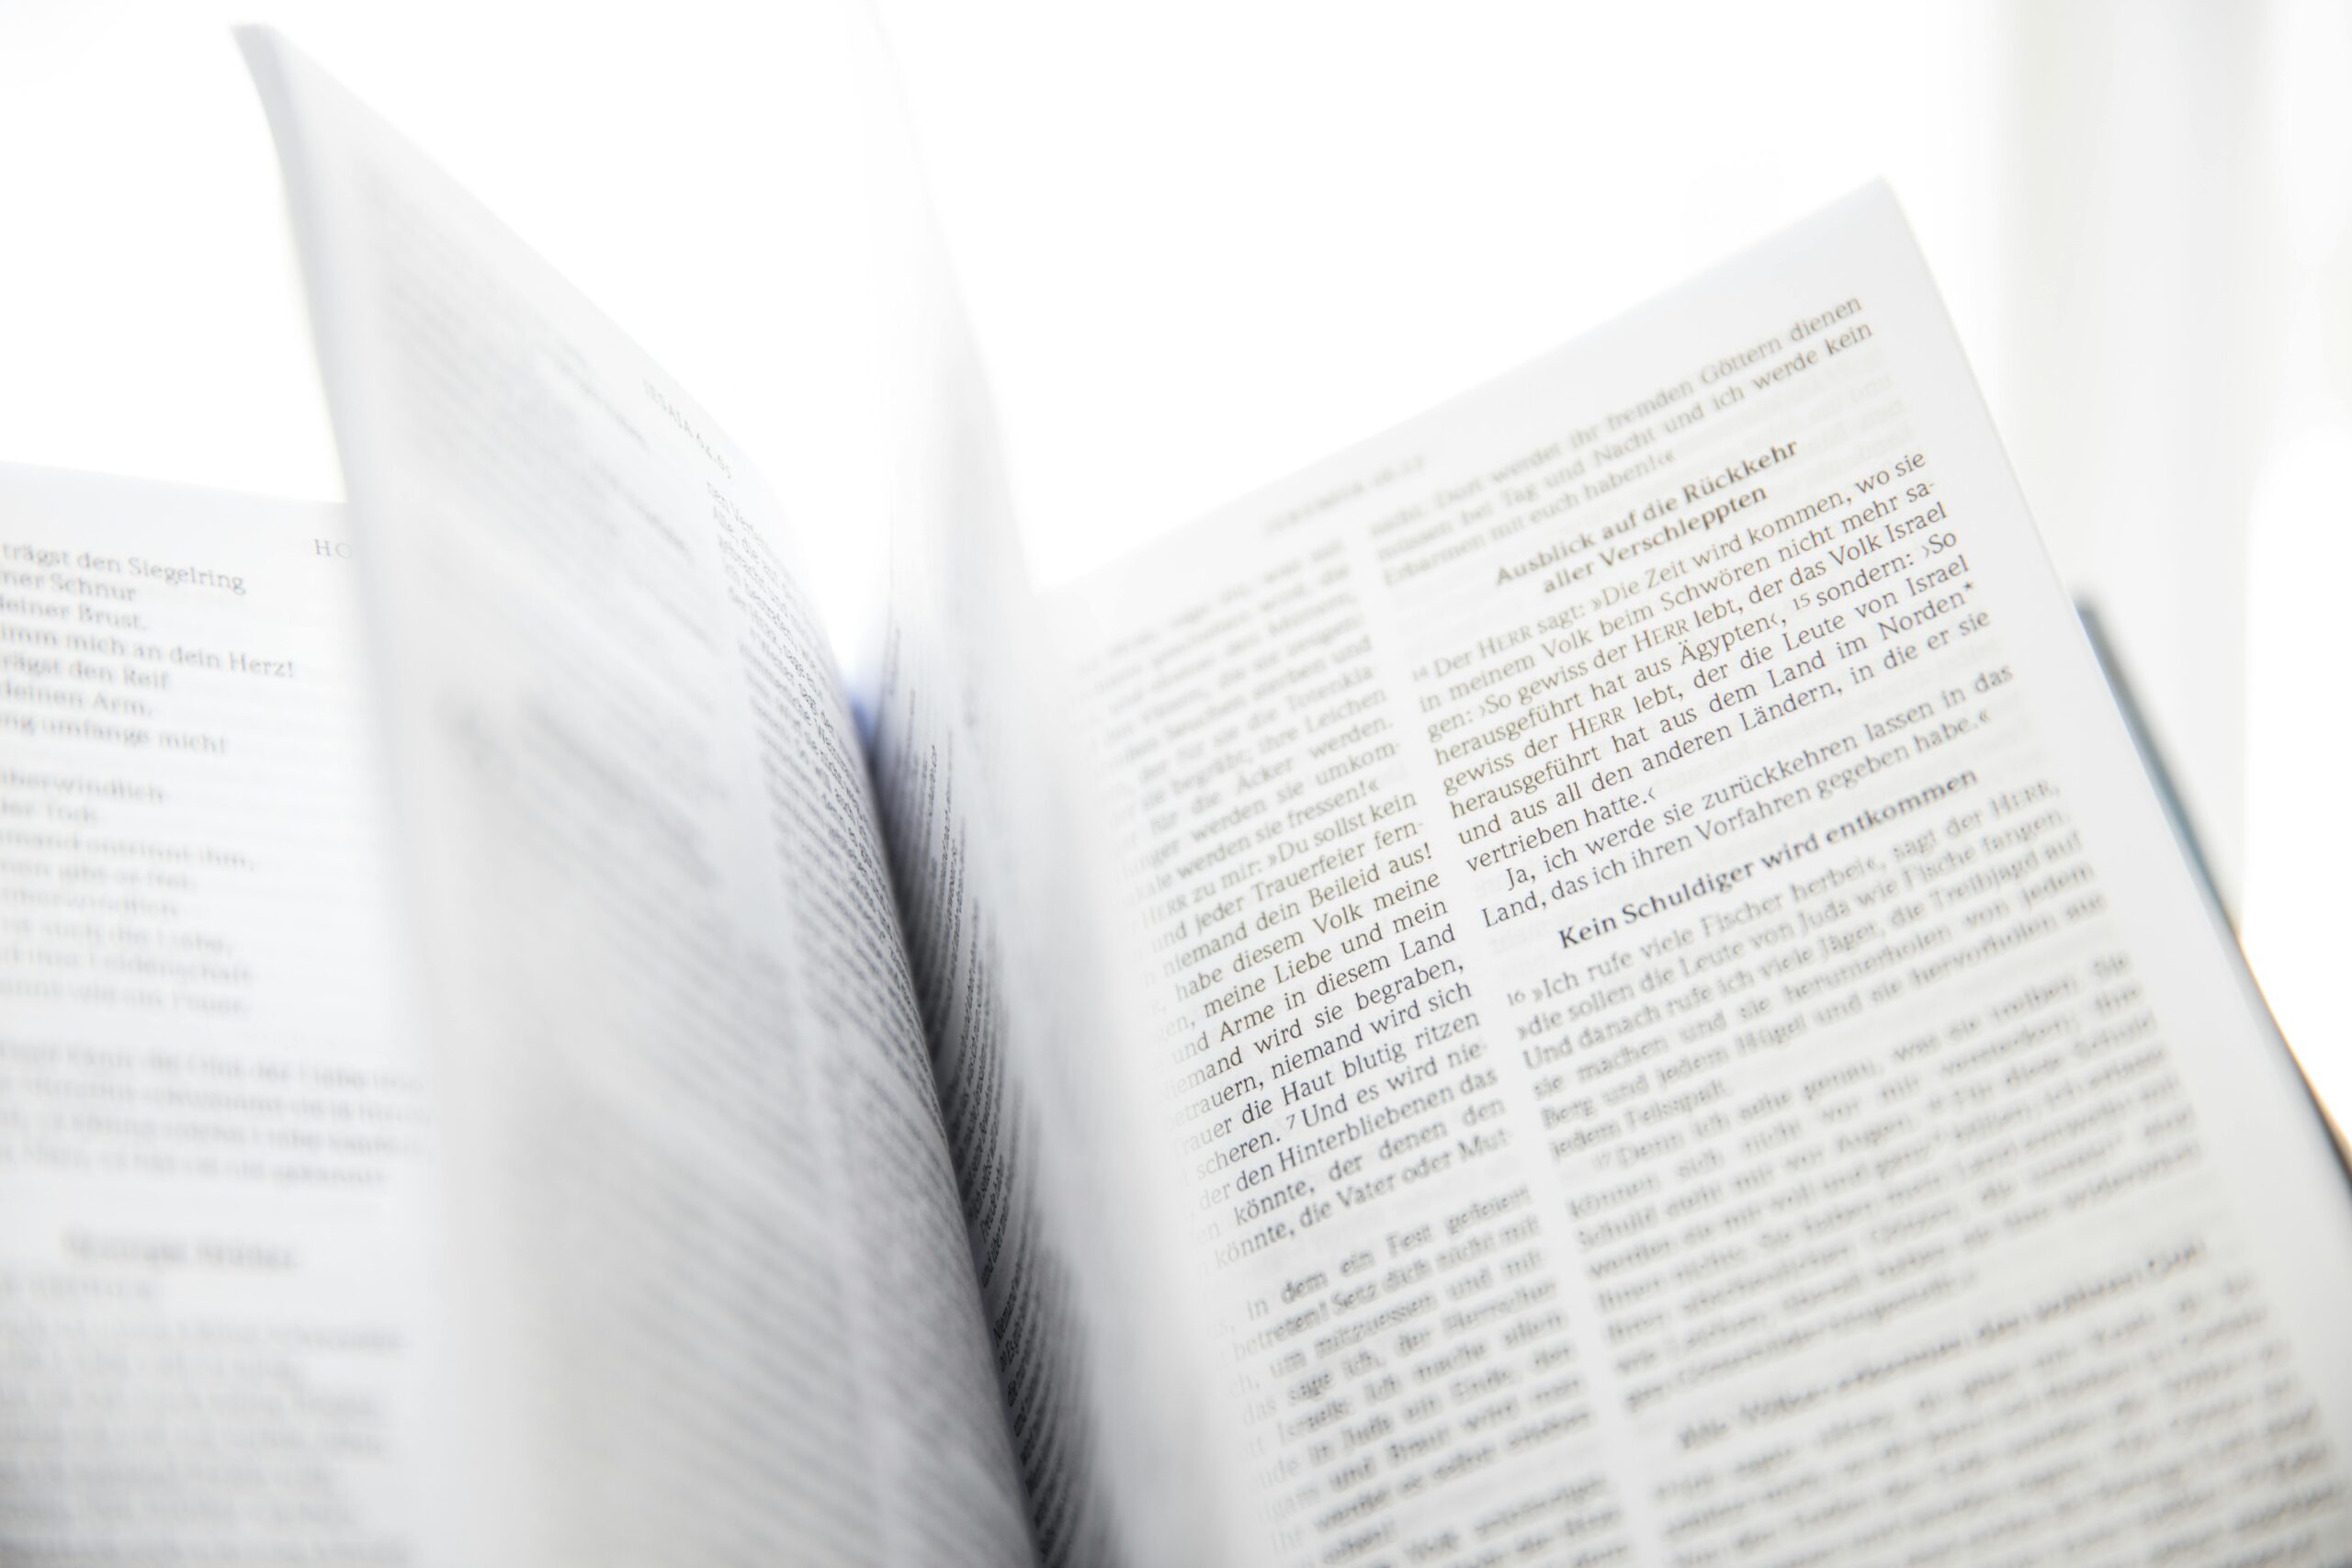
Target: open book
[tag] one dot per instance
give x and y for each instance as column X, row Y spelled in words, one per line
column 1594, row 979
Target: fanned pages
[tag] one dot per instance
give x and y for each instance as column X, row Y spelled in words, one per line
column 1592, row 980
column 707, row 1244
column 996, row 847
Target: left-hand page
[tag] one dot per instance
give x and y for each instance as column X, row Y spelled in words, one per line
column 212, row 1149
column 712, row 1296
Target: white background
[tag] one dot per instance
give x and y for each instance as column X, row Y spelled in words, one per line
column 1203, row 245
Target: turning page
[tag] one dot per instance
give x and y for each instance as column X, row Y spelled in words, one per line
column 709, row 1266
column 213, row 1269
column 1692, row 1038
column 996, row 855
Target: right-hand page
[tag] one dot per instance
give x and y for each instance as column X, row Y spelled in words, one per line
column 1692, row 1035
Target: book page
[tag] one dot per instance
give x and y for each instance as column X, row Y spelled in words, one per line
column 712, row 1295
column 1692, row 1038
column 214, row 1302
